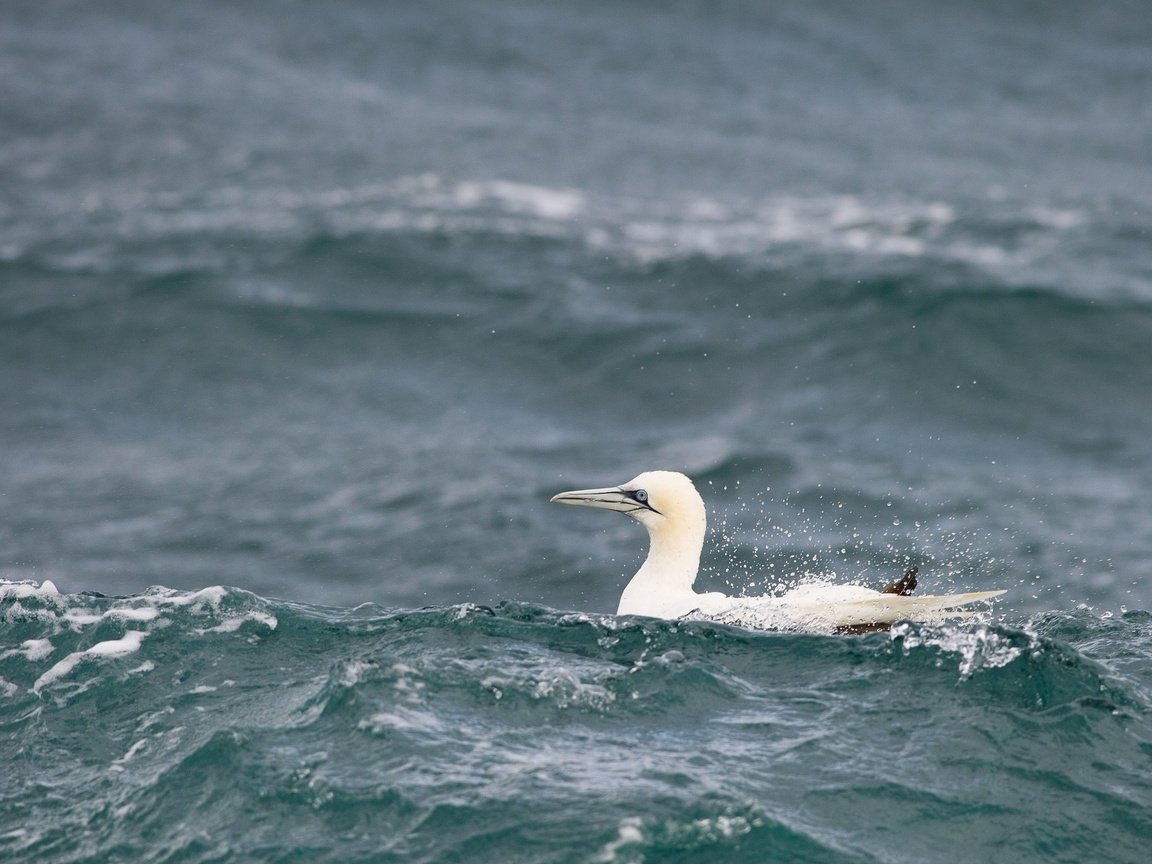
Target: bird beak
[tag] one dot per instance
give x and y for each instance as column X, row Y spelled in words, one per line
column 608, row 499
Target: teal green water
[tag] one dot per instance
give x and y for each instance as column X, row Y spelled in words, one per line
column 247, row 729
column 325, row 302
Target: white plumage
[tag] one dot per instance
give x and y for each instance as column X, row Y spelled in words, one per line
column 668, row 505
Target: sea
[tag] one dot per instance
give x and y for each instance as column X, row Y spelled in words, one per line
column 307, row 309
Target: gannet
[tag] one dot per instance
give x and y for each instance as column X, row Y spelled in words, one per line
column 668, row 505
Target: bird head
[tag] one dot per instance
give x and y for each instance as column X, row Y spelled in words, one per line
column 659, row 500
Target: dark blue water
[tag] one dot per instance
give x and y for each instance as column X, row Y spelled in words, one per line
column 322, row 302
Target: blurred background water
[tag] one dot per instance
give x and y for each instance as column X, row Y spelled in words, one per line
column 324, row 301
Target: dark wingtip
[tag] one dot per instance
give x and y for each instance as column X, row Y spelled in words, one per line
column 905, row 585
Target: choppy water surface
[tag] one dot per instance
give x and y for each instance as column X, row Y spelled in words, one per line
column 322, row 303
column 216, row 724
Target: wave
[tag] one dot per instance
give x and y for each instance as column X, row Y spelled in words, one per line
column 454, row 729
column 1012, row 244
column 618, row 283
column 58, row 645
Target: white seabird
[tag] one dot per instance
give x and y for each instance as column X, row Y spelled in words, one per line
column 668, row 505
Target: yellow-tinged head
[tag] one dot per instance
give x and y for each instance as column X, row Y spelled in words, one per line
column 662, row 501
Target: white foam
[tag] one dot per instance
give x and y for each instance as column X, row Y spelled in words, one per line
column 401, row 719
column 135, row 613
column 37, row 649
column 545, row 202
column 75, row 613
column 353, row 672
column 27, row 588
column 82, row 617
column 232, row 624
column 126, row 644
column 211, row 596
column 721, row 827
column 32, row 649
column 118, row 764
column 665, row 227
column 464, row 610
column 150, row 720
column 844, row 223
column 628, row 833
column 978, row 648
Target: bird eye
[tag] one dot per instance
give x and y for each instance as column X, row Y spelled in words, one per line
column 641, row 496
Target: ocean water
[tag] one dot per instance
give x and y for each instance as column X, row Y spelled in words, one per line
column 307, row 309
column 219, row 725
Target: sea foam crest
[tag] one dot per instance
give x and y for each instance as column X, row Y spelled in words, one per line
column 27, row 588
column 980, row 647
column 65, row 622
column 636, row 836
column 129, row 643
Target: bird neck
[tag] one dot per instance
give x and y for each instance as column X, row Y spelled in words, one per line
column 664, row 583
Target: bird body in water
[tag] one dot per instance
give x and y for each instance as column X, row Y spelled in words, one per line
column 668, row 505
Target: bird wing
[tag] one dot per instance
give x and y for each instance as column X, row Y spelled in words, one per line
column 887, row 608
column 838, row 606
